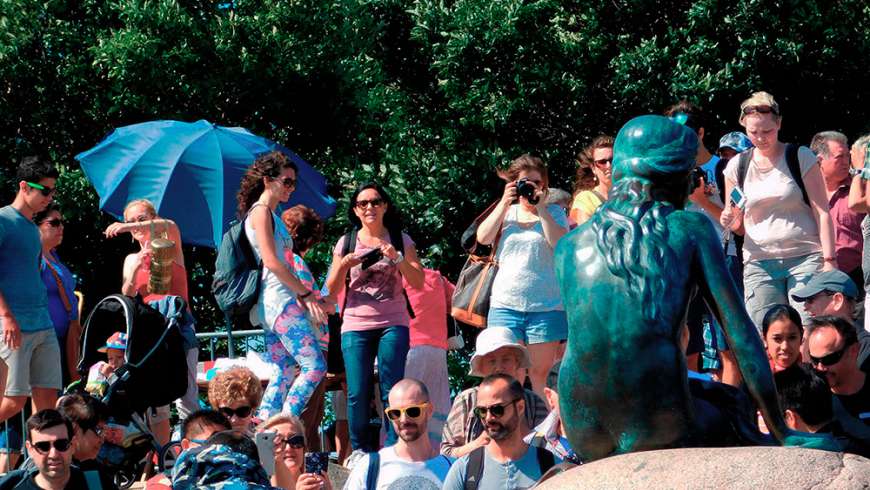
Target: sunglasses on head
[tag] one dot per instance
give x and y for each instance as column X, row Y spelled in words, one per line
column 44, row 447
column 296, row 441
column 497, row 410
column 830, row 359
column 365, row 203
column 411, row 411
column 240, row 412
column 761, row 109
column 54, row 223
column 43, row 189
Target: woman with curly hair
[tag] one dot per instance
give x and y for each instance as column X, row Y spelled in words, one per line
column 595, row 159
column 236, row 393
column 287, row 309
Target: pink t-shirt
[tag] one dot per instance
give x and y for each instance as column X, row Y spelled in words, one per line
column 429, row 325
column 374, row 298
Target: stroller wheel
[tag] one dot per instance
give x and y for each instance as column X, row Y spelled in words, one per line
column 124, row 479
column 168, row 455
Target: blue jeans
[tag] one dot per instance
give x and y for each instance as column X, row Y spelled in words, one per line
column 771, row 282
column 390, row 346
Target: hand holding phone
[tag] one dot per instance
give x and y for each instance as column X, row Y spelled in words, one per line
column 737, row 198
column 371, row 258
column 316, row 463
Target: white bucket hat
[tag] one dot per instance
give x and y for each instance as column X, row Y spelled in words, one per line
column 492, row 339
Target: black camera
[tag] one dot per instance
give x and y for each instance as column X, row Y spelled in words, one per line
column 697, row 175
column 527, row 189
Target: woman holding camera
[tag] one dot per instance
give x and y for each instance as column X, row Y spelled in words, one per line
column 375, row 313
column 525, row 296
column 290, row 451
column 788, row 236
column 286, row 308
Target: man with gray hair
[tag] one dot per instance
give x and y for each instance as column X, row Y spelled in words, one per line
column 832, row 151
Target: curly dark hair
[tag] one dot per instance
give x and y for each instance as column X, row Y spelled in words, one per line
column 392, row 217
column 266, row 165
column 585, row 160
column 305, row 227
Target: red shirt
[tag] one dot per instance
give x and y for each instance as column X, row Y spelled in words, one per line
column 429, row 327
column 848, row 240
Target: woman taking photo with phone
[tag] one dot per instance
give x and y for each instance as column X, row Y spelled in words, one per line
column 286, row 308
column 789, row 235
column 295, row 468
column 525, row 296
column 369, row 260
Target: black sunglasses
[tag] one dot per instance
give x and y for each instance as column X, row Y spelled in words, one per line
column 54, row 223
column 761, row 109
column 830, row 359
column 496, row 410
column 44, row 447
column 288, row 182
column 43, row 189
column 240, row 412
column 296, row 441
column 365, row 203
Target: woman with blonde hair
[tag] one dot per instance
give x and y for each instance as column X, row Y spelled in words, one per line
column 789, row 235
column 525, row 296
column 290, row 447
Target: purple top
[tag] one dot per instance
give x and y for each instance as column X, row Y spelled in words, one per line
column 60, row 317
column 374, row 298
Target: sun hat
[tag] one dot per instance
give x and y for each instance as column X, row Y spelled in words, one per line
column 118, row 340
column 735, row 140
column 492, row 339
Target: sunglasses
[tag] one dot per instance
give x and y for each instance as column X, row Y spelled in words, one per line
column 138, row 219
column 96, row 430
column 43, row 189
column 240, row 412
column 296, row 441
column 288, row 182
column 411, row 411
column 373, row 202
column 761, row 109
column 54, row 223
column 497, row 410
column 44, row 447
column 830, row 359
column 603, row 162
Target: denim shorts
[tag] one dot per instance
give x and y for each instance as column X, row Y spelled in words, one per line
column 531, row 327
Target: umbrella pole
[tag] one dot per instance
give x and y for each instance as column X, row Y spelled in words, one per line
column 231, row 350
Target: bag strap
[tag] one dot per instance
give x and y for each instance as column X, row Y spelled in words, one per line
column 373, row 470
column 794, row 166
column 545, row 459
column 469, row 236
column 245, row 235
column 398, row 242
column 474, row 469
column 743, row 167
column 67, row 305
column 348, row 246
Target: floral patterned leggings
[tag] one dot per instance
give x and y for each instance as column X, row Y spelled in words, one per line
column 291, row 338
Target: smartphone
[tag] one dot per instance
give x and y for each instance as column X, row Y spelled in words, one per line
column 265, row 442
column 316, row 463
column 737, row 198
column 371, row 258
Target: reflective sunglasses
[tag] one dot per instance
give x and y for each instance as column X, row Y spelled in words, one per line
column 44, row 447
column 373, row 202
column 288, row 182
column 43, row 189
column 761, row 109
column 497, row 410
column 411, row 411
column 240, row 412
column 830, row 359
column 296, row 441
column 54, row 223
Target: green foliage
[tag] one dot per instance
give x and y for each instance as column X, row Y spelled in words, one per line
column 427, row 97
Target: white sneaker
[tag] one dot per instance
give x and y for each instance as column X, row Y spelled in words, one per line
column 354, row 458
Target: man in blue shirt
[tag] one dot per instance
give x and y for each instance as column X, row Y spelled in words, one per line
column 29, row 345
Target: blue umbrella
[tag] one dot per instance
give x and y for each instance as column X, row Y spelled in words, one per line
column 191, row 172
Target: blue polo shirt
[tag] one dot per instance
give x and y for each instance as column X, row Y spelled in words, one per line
column 20, row 282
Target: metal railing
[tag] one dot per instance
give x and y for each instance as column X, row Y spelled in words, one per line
column 248, row 339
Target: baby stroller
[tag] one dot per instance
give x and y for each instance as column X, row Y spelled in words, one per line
column 153, row 374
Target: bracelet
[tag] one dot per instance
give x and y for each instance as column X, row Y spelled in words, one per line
column 303, row 296
column 829, row 259
column 399, row 259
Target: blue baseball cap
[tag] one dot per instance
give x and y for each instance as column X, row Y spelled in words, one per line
column 735, row 140
column 834, row 281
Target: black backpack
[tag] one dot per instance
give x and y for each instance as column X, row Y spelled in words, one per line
column 791, row 159
column 474, row 470
column 236, row 284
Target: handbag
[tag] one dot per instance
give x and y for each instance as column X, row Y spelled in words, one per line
column 470, row 302
column 454, row 336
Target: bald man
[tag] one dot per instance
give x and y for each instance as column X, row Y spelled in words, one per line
column 412, row 462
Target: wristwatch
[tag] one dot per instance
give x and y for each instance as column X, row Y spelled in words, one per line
column 399, row 259
column 863, row 172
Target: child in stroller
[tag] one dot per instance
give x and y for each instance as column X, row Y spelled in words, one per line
column 100, row 373
column 152, row 373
